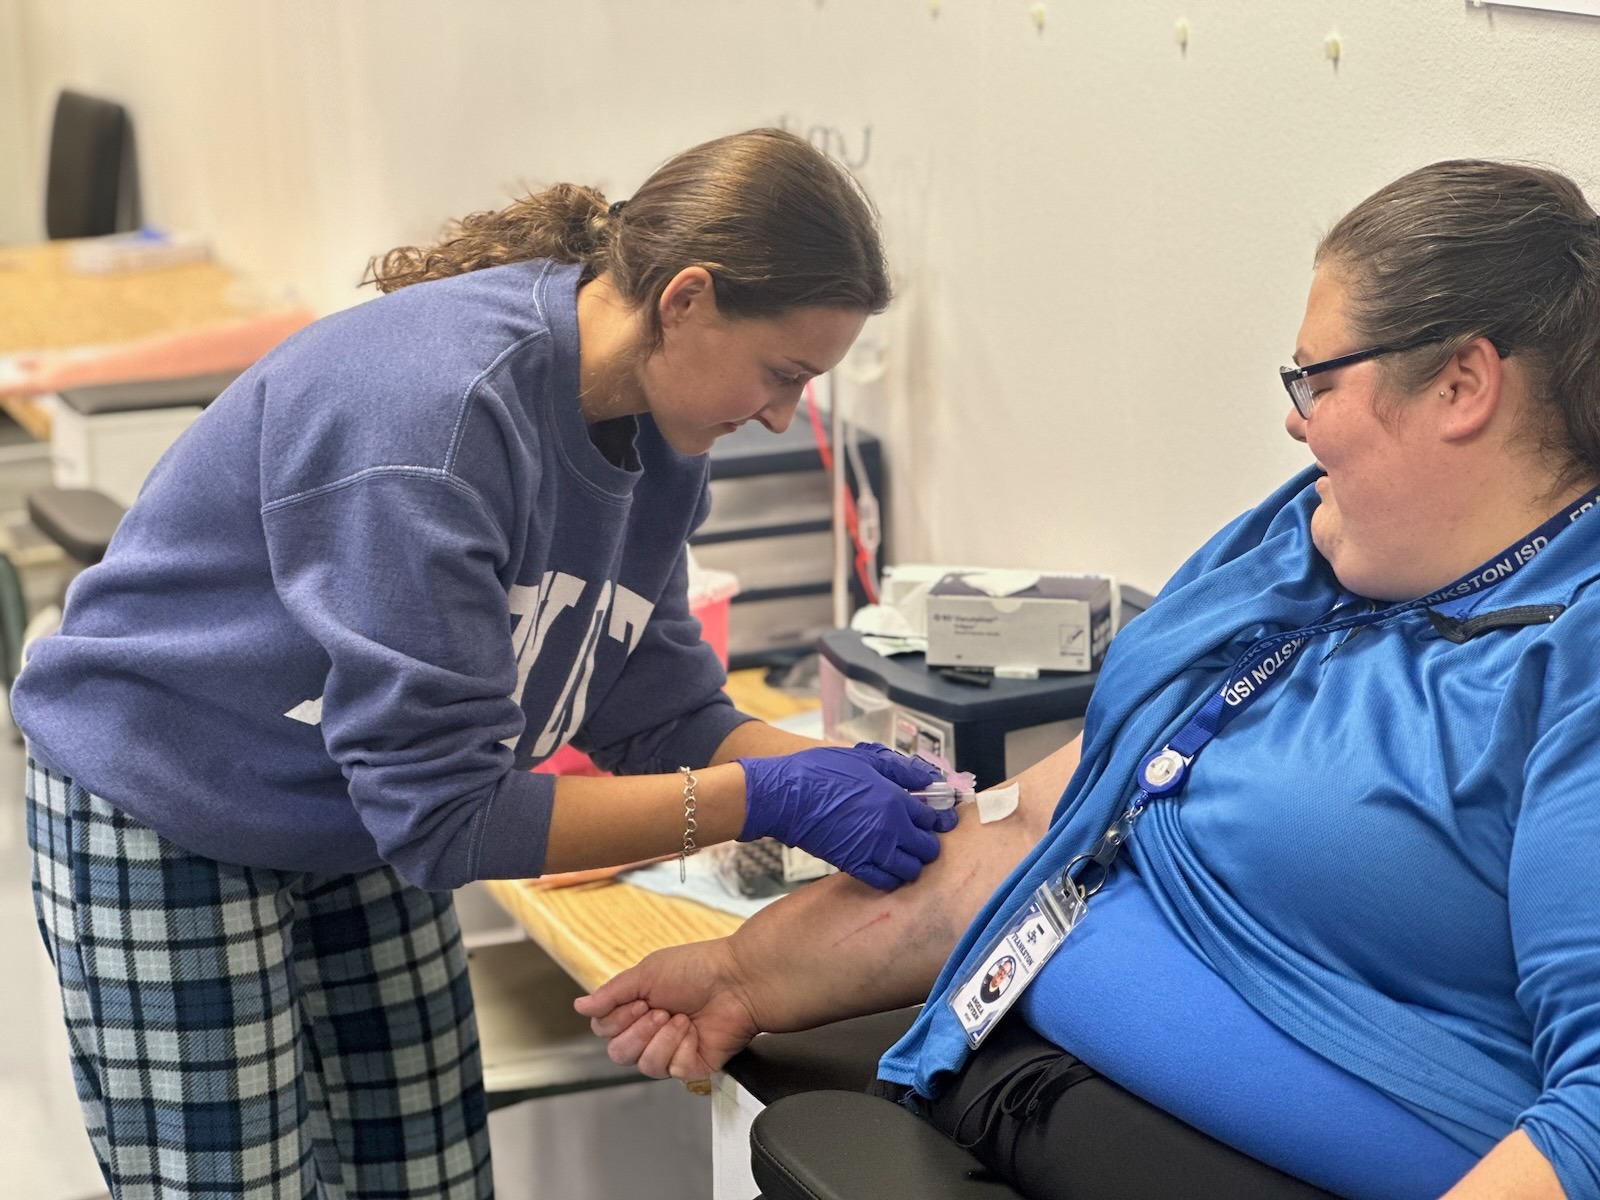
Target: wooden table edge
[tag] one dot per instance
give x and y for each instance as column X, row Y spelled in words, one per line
column 595, row 930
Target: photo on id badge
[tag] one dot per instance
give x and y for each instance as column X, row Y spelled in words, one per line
column 997, row 978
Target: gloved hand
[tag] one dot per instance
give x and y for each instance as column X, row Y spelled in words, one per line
column 849, row 807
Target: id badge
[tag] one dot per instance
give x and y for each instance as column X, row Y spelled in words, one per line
column 1015, row 957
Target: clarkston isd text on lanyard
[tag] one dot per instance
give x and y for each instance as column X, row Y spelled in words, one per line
column 1014, row 957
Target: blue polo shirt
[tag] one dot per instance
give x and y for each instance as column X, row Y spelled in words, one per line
column 1149, row 1013
column 1389, row 857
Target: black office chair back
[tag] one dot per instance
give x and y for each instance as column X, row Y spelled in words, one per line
column 93, row 183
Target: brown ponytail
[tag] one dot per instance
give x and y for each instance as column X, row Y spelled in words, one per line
column 776, row 222
column 565, row 222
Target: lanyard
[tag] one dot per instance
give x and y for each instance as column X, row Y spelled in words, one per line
column 1165, row 773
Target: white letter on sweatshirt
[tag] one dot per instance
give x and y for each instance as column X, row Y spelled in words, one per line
column 630, row 612
column 536, row 609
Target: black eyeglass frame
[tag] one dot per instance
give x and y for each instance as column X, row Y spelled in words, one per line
column 1292, row 376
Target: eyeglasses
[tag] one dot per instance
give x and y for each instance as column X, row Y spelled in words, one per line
column 1297, row 380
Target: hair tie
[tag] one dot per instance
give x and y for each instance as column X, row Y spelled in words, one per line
column 616, row 208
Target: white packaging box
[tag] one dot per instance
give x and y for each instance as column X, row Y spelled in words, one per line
column 1060, row 623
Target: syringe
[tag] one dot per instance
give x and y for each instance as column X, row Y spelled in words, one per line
column 942, row 794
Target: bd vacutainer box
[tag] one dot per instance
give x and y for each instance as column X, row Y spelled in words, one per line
column 1056, row 623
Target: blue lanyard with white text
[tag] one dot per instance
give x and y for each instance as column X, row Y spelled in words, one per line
column 1166, row 772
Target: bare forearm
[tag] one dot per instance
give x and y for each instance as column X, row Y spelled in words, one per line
column 861, row 950
column 609, row 821
column 838, row 948
column 1513, row 1170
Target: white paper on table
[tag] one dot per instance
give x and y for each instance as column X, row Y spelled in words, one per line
column 702, row 884
column 879, row 620
column 887, row 631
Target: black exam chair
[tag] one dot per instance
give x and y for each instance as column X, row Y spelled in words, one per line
column 79, row 520
column 822, row 1137
column 852, row 1146
column 92, row 184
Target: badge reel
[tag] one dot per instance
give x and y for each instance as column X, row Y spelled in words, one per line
column 1033, row 934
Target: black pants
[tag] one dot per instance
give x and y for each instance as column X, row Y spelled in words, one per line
column 1055, row 1130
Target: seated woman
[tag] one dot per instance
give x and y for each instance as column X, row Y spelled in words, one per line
column 1352, row 942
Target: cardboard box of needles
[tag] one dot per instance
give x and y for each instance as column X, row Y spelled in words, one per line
column 1019, row 619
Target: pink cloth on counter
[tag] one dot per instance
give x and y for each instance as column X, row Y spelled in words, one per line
column 206, row 350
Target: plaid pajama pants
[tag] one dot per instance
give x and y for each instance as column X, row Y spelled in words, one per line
column 244, row 1032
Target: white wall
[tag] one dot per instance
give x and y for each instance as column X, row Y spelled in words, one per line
column 1101, row 242
column 20, row 186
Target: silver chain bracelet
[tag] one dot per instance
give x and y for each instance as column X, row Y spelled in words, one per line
column 689, row 824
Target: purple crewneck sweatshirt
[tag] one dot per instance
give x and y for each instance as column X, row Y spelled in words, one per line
column 382, row 575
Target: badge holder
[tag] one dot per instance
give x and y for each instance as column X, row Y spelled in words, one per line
column 1033, row 934
column 1013, row 958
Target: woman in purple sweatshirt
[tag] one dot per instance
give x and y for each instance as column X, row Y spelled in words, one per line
column 413, row 551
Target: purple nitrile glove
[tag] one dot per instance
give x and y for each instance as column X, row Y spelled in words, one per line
column 848, row 806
